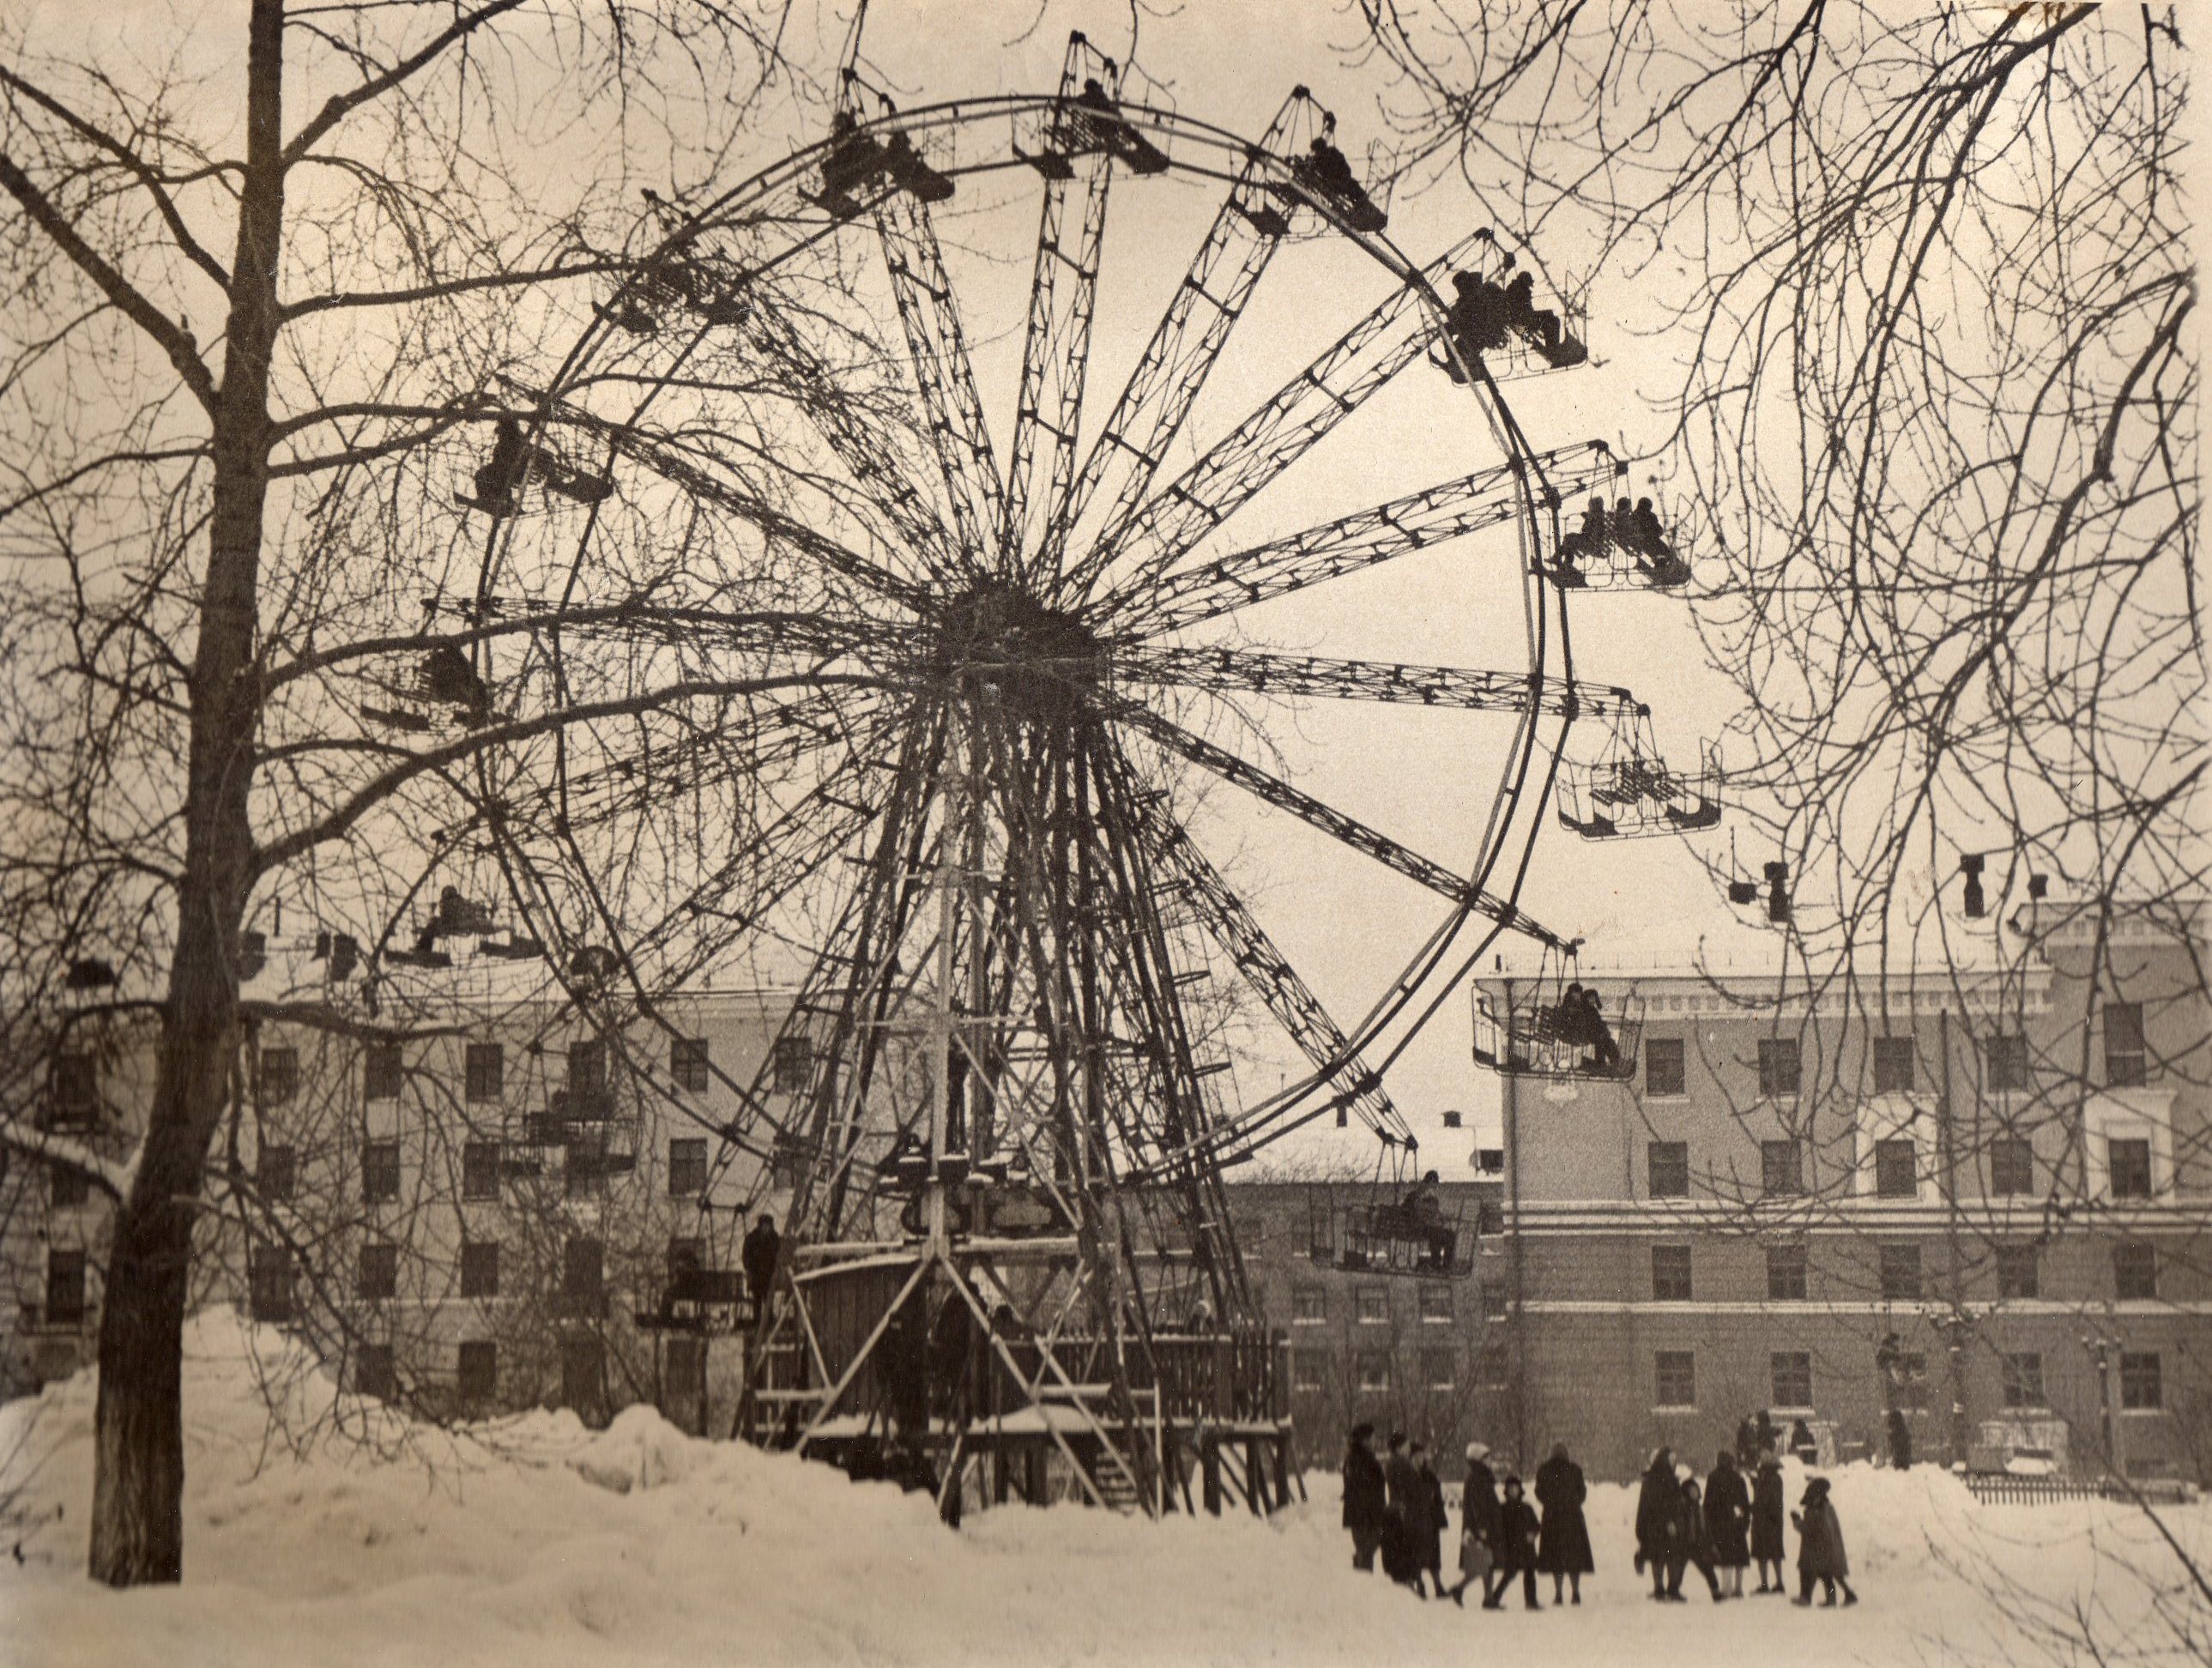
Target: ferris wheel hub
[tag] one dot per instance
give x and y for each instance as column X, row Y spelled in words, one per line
column 1036, row 656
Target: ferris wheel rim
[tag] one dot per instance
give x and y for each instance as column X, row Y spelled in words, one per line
column 720, row 214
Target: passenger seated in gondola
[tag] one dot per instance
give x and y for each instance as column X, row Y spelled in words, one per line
column 1100, row 127
column 1423, row 1215
column 1475, row 321
column 514, row 460
column 449, row 677
column 1665, row 569
column 854, row 161
column 1324, row 169
column 912, row 172
column 1587, row 544
column 1596, row 1035
column 1539, row 325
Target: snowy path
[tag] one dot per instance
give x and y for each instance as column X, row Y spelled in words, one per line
column 726, row 1555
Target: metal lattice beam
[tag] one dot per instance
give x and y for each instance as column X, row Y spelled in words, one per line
column 1237, row 670
column 1242, row 462
column 1365, row 538
column 1348, row 830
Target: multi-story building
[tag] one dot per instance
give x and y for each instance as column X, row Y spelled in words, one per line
column 1984, row 1202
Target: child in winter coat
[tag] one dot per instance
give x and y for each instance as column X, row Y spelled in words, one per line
column 1516, row 1547
column 1821, row 1548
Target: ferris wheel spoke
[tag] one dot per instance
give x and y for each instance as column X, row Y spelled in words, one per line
column 1185, row 346
column 1055, row 355
column 943, row 372
column 1230, row 924
column 1270, row 440
column 872, row 453
column 1256, row 671
column 1274, row 790
column 1350, row 543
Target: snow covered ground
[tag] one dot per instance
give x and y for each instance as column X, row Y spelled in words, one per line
column 554, row 1545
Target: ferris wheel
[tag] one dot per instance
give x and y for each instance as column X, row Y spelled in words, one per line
column 953, row 686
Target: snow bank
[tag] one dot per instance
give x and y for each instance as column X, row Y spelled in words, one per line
column 536, row 1540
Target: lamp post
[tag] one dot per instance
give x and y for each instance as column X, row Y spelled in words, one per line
column 1955, row 1326
column 1888, row 1360
column 2102, row 1348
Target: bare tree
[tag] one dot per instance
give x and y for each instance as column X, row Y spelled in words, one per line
column 262, row 322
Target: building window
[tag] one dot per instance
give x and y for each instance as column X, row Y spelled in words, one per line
column 1451, row 1120
column 1785, row 1274
column 380, row 1171
column 372, row 1372
column 486, row 1065
column 1900, row 1272
column 687, row 1064
column 2141, row 1388
column 1371, row 1369
column 2135, row 1271
column 1372, row 1304
column 1893, row 1168
column 1780, row 1067
column 1436, row 1367
column 792, row 1062
column 2023, row 1380
column 380, row 1071
column 1670, row 1274
column 276, row 1169
column 2004, row 1062
column 268, row 1283
column 479, row 1268
column 2124, row 1044
column 2129, row 1161
column 1437, row 1302
column 1493, row 1367
column 1780, row 1169
column 1664, row 1073
column 2012, row 1165
column 1668, row 1169
column 65, row 1289
column 379, row 1273
column 1496, row 1305
column 687, row 1167
column 1895, row 1062
column 77, row 1093
column 587, row 1066
column 1489, row 1218
column 479, row 1370
column 1675, row 1378
column 1791, row 1375
column 1309, row 1369
column 280, row 1075
column 582, row 1269
column 1309, row 1305
column 480, row 1170
column 583, row 1373
column 67, row 1186
column 2018, row 1273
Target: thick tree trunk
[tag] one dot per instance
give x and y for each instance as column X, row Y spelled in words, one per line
column 137, row 1518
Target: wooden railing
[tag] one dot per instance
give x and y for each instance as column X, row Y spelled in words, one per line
column 2002, row 1488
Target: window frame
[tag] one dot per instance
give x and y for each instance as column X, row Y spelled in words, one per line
column 2142, row 1371
column 68, row 1267
column 1885, row 1061
column 2016, row 1150
column 1678, row 1075
column 1887, row 1151
column 688, row 1164
column 1781, row 1068
column 1894, row 1257
column 1681, row 1366
column 383, row 1173
column 272, row 1279
column 2005, row 1064
column 277, row 1075
column 478, row 1269
column 2142, row 1181
column 2127, row 1066
column 476, row 1360
column 375, row 1371
column 690, row 1064
column 1673, row 1266
column 1798, row 1363
column 1786, row 1156
column 1370, row 1382
column 1779, row 1261
column 2139, row 1284
column 1371, row 1295
column 1434, row 1302
column 1438, row 1367
column 1673, row 1152
column 381, row 1258
column 2018, row 1269
column 2019, row 1370
column 1300, row 1292
column 483, row 1073
column 480, row 1171
column 383, row 1071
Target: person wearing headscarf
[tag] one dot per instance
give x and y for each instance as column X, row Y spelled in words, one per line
column 1821, row 1547
column 1480, row 1518
column 1727, row 1522
column 1565, row 1550
column 1517, row 1531
column 1766, row 1520
column 1364, row 1497
column 1659, row 1525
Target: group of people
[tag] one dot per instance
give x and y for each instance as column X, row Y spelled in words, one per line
column 1633, row 529
column 1483, row 316
column 1578, row 1019
column 1723, row 1527
column 515, row 459
column 1394, row 1505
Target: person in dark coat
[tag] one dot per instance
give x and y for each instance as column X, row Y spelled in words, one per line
column 1747, row 1444
column 1658, row 1522
column 1767, row 1520
column 1821, row 1548
column 1565, row 1552
column 1480, row 1517
column 1697, row 1543
column 1517, row 1531
column 1770, row 1439
column 1365, row 1502
column 1727, row 1522
column 1427, row 1522
column 1401, row 1484
column 763, row 1246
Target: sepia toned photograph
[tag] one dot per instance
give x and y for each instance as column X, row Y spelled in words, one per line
column 1103, row 832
